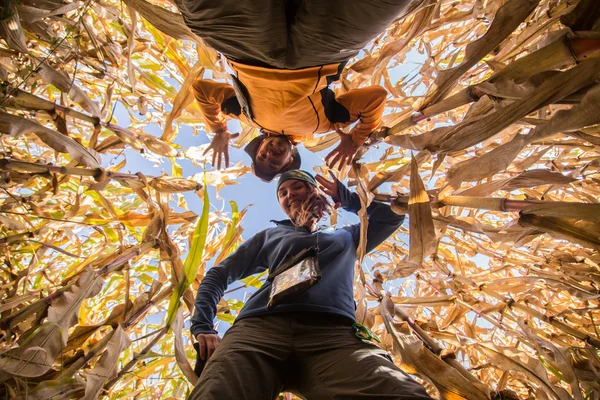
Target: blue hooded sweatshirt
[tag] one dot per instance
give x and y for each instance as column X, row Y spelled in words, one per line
column 267, row 249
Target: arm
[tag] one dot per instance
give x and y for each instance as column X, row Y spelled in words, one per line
column 244, row 262
column 366, row 105
column 382, row 220
column 210, row 95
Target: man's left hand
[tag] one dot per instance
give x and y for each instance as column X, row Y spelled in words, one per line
column 343, row 153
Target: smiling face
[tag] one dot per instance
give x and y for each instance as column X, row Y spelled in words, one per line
column 291, row 194
column 273, row 155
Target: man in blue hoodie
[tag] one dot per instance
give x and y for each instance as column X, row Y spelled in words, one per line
column 306, row 344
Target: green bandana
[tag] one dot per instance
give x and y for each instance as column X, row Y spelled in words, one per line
column 297, row 174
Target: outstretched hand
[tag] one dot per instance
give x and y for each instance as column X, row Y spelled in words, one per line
column 330, row 188
column 220, row 147
column 343, row 153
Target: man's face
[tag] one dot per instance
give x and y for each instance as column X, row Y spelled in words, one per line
column 291, row 194
column 274, row 154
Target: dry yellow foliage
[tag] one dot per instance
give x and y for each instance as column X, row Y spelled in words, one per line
column 498, row 127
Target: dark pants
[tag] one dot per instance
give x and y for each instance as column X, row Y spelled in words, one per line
column 289, row 34
column 314, row 356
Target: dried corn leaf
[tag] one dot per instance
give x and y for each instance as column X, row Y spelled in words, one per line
column 12, row 32
column 16, row 126
column 472, row 132
column 578, row 211
column 64, row 311
column 106, row 366
column 487, row 165
column 559, row 358
column 587, row 113
column 37, row 350
column 64, row 84
column 321, row 142
column 415, row 358
column 422, row 231
column 506, row 20
column 180, row 355
column 184, row 98
column 581, row 232
column 60, row 388
column 510, row 359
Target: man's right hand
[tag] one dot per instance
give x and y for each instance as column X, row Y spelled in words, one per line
column 208, row 343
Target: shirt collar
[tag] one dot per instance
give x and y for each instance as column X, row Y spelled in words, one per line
column 285, row 222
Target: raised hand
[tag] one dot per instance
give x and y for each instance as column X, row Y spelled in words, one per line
column 330, row 188
column 220, row 147
column 343, row 153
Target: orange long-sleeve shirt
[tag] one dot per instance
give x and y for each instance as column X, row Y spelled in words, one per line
column 291, row 102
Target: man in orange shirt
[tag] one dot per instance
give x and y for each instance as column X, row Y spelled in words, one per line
column 284, row 54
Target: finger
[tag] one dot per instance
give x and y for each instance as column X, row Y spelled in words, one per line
column 219, row 158
column 347, row 160
column 234, row 135
column 210, row 349
column 332, row 175
column 332, row 154
column 326, row 186
column 214, row 157
column 339, row 161
column 207, row 150
column 325, row 190
column 337, row 204
column 212, row 346
column 335, row 160
column 330, row 161
column 322, row 180
column 226, row 158
column 336, row 180
column 216, row 341
column 202, row 343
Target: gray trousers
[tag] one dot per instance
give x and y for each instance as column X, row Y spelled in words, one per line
column 289, row 34
column 311, row 355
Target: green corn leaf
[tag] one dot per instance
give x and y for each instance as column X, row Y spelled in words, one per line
column 192, row 260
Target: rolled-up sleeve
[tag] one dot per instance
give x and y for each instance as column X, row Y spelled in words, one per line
column 365, row 105
column 210, row 95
